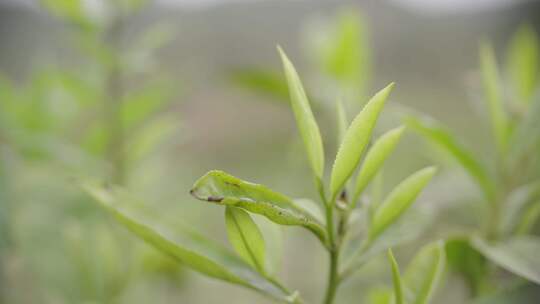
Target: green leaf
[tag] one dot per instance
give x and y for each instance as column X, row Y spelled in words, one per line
column 309, row 130
column 399, row 200
column 396, row 278
column 522, row 63
column 355, row 140
column 438, row 135
column 493, row 95
column 518, row 294
column 424, row 272
column 374, row 160
column 343, row 51
column 519, row 255
column 466, row 261
column 183, row 245
column 342, row 121
column 221, row 188
column 245, row 237
column 263, row 82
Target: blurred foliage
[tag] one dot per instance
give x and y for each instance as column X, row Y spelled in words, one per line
column 95, row 119
column 507, row 177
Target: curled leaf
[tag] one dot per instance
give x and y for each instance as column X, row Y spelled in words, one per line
column 221, row 188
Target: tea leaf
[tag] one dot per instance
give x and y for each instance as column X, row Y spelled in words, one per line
column 399, row 200
column 260, row 81
column 519, row 255
column 424, row 272
column 435, row 133
column 309, row 130
column 375, row 158
column 245, row 237
column 522, row 63
column 355, row 140
column 493, row 95
column 183, row 245
column 223, row 189
column 518, row 293
column 342, row 120
column 396, row 278
column 466, row 261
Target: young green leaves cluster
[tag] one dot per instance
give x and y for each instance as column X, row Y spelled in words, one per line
column 241, row 199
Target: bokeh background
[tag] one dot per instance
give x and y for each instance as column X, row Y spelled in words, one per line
column 198, row 86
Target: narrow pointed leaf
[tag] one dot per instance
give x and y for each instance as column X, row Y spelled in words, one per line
column 245, row 237
column 523, row 63
column 424, row 273
column 438, row 135
column 493, row 95
column 355, row 140
column 342, row 121
column 309, row 130
column 396, row 279
column 399, row 200
column 221, row 188
column 183, row 245
column 375, row 158
column 519, row 255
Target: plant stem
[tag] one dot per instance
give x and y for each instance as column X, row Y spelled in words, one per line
column 333, row 278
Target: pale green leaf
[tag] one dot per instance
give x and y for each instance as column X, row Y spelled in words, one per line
column 183, row 245
column 221, row 188
column 438, row 135
column 396, row 278
column 355, row 140
column 519, row 255
column 424, row 273
column 493, row 95
column 399, row 200
column 309, row 130
column 522, row 63
column 342, row 121
column 374, row 160
column 245, row 237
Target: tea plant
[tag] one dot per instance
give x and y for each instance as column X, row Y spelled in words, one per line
column 249, row 266
column 508, row 175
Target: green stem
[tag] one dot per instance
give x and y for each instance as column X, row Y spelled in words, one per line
column 333, row 278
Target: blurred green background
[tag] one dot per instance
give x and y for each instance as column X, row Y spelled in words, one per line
column 153, row 94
